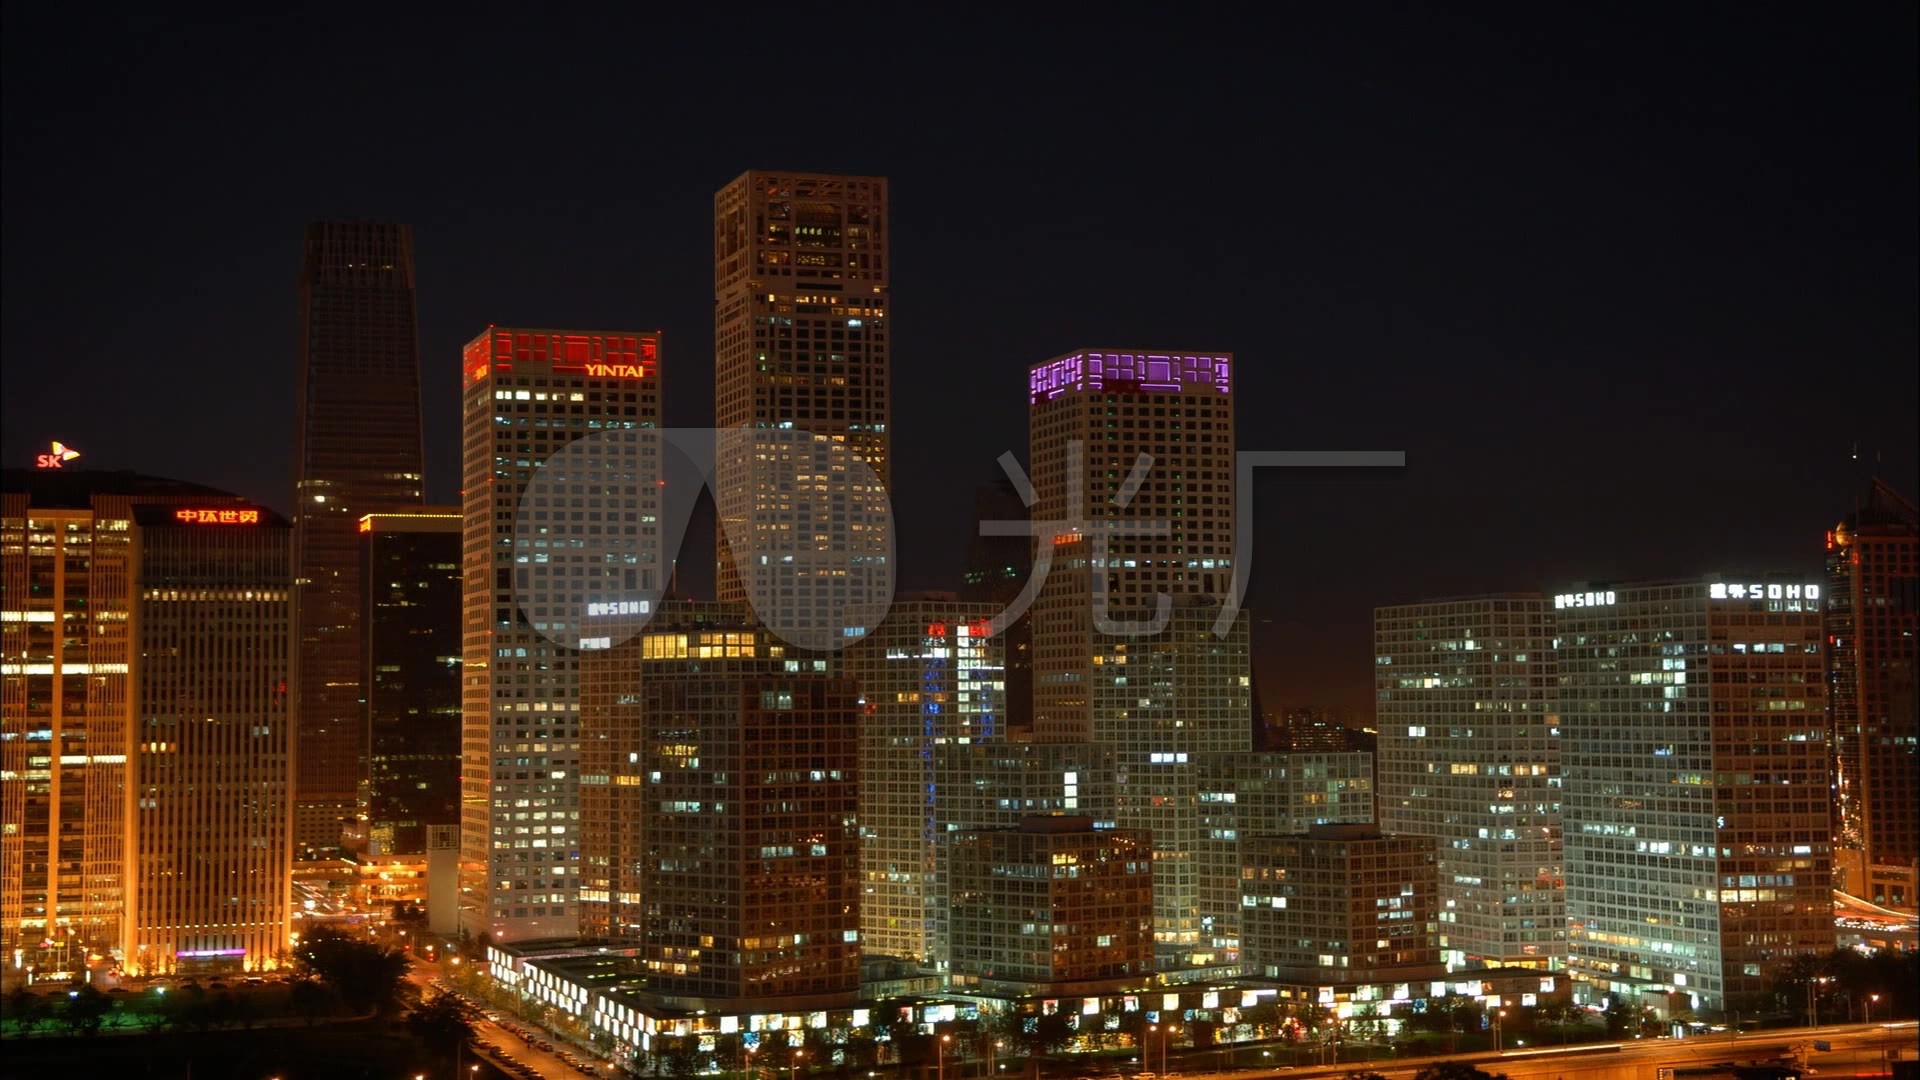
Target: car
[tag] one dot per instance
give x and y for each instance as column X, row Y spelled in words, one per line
column 217, row 986
column 543, row 1044
column 118, row 990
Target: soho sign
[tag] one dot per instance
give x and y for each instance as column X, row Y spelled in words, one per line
column 618, row 607
column 1723, row 591
column 1586, row 599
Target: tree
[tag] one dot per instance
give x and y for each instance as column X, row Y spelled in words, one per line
column 1624, row 1019
column 26, row 1009
column 1365, row 1075
column 86, row 1008
column 308, row 999
column 188, row 1008
column 440, row 1025
column 682, row 1056
column 365, row 975
column 1455, row 1070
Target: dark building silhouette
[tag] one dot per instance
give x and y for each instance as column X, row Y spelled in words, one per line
column 997, row 569
column 358, row 451
column 1871, row 640
column 412, row 656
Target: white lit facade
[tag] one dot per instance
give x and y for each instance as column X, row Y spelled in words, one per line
column 530, row 573
column 802, row 326
column 930, row 675
column 1466, row 705
column 1248, row 795
column 1694, row 743
column 1124, row 650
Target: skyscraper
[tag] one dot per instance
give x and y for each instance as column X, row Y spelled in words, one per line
column 412, row 651
column 801, row 338
column 1342, row 904
column 1133, row 462
column 930, row 675
column 1693, row 741
column 613, row 773
column 1872, row 608
column 1093, row 413
column 1247, row 795
column 742, row 789
column 358, row 452
column 1466, row 703
column 145, row 762
column 536, row 576
column 1052, row 906
column 214, row 741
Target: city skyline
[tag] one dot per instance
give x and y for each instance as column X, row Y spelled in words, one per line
column 1713, row 269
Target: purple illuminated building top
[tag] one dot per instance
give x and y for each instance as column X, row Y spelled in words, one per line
column 1130, row 373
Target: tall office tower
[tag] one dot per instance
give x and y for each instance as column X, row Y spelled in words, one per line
column 1341, row 905
column 745, row 799
column 1872, row 635
column 801, row 321
column 1052, row 906
column 1694, row 745
column 411, row 647
column 1248, row 795
column 930, row 675
column 997, row 784
column 1467, row 705
column 1092, row 414
column 358, row 452
column 70, row 673
column 536, row 577
column 214, row 741
column 1109, row 666
column 613, row 784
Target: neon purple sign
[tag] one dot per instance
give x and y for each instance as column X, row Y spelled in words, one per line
column 1130, row 373
column 211, row 952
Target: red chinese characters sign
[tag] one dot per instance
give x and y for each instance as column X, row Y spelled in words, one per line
column 217, row 517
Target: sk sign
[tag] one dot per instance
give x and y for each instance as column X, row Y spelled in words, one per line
column 60, row 455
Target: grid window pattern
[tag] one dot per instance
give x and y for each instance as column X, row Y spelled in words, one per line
column 1052, row 906
column 1246, row 795
column 1694, row 741
column 529, row 394
column 930, row 676
column 1341, row 904
column 1466, row 704
column 802, row 321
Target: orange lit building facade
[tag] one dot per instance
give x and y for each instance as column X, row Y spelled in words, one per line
column 146, row 761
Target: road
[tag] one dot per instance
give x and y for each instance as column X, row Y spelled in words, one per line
column 547, row 1063
column 1856, row 1049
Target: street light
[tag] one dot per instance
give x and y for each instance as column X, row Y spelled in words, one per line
column 797, row 1055
column 993, row 1069
column 1871, row 998
column 940, row 1054
column 1498, row 1015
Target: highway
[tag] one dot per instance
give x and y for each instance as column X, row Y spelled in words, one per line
column 1857, row 1049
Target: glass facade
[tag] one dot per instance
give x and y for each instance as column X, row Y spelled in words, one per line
column 358, row 451
column 1694, row 744
column 411, row 622
column 1466, row 698
column 529, row 572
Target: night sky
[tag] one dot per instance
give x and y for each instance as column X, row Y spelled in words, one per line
column 1627, row 287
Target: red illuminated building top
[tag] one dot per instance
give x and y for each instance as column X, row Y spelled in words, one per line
column 598, row 355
